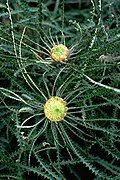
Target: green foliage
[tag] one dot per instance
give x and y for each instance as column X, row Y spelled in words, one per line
column 86, row 144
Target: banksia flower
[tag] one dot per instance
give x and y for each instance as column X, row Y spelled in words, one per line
column 48, row 113
column 55, row 109
column 59, row 52
column 56, row 50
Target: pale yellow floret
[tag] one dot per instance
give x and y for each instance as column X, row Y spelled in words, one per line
column 55, row 109
column 59, row 52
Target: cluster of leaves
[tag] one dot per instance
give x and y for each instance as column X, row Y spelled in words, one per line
column 88, row 140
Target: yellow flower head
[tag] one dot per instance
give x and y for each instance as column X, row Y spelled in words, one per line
column 59, row 52
column 55, row 109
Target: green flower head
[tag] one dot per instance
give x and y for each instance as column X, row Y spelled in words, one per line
column 55, row 109
column 59, row 52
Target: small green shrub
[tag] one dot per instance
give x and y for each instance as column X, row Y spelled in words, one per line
column 78, row 134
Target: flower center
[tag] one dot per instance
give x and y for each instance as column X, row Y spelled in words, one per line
column 59, row 52
column 55, row 109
